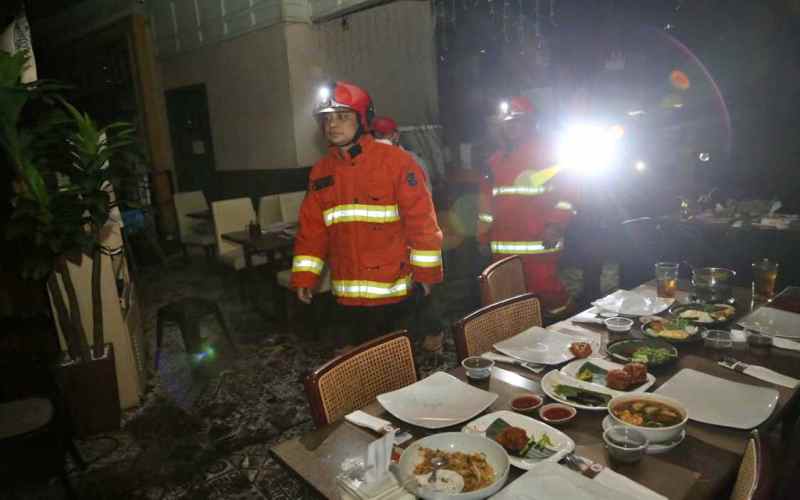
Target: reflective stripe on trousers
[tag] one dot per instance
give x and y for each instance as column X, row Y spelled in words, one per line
column 524, row 247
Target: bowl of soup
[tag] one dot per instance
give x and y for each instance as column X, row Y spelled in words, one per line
column 659, row 418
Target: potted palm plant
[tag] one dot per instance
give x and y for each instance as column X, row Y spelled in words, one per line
column 65, row 167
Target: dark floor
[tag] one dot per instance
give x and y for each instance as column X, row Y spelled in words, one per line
column 205, row 428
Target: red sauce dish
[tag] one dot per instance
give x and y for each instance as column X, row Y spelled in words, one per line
column 526, row 403
column 556, row 413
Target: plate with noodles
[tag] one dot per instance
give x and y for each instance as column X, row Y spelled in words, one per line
column 475, row 467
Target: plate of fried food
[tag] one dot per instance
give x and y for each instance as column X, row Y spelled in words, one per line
column 528, row 442
column 468, row 467
column 631, row 377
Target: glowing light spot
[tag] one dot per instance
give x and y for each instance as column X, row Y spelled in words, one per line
column 616, row 132
column 324, row 93
column 636, row 112
column 504, row 107
column 640, row 166
column 704, row 157
column 679, row 80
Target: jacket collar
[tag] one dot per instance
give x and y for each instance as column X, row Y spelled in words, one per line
column 365, row 142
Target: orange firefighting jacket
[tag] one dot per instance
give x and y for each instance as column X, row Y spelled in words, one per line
column 522, row 194
column 369, row 215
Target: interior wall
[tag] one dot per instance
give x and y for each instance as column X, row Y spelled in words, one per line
column 247, row 82
column 389, row 50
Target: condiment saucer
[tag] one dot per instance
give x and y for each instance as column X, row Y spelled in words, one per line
column 653, row 448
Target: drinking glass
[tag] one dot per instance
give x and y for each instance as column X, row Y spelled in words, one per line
column 765, row 273
column 667, row 279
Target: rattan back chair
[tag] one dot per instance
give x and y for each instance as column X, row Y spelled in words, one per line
column 754, row 481
column 353, row 380
column 480, row 330
column 502, row 280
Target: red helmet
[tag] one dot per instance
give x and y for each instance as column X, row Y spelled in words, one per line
column 384, row 125
column 343, row 95
column 515, row 107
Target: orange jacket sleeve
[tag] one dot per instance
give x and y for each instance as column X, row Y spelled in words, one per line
column 311, row 244
column 485, row 216
column 422, row 232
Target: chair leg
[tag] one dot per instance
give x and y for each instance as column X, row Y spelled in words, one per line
column 221, row 320
column 159, row 337
column 69, row 491
column 75, row 454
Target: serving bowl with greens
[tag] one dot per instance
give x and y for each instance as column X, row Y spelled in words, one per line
column 650, row 352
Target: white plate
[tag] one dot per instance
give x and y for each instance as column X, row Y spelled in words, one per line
column 771, row 321
column 554, row 377
column 571, row 370
column 451, row 442
column 435, row 402
column 630, row 303
column 551, row 481
column 537, row 345
column 561, row 442
column 652, row 448
column 717, row 401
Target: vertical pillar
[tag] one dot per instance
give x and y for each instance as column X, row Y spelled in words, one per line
column 154, row 118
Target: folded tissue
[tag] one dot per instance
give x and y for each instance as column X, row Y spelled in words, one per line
column 368, row 476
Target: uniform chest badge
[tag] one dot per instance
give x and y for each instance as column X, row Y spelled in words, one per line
column 411, row 179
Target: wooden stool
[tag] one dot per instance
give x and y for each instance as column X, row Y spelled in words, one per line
column 187, row 313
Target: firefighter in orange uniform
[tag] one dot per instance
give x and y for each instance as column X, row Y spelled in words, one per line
column 524, row 206
column 368, row 215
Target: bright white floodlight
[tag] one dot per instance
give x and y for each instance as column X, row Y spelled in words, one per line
column 588, row 149
column 324, row 93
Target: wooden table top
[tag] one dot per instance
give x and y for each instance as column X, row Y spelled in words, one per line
column 201, row 214
column 265, row 242
column 704, row 466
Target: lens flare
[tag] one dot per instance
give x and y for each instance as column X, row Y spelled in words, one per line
column 679, row 80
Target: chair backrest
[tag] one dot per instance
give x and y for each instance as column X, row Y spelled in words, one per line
column 231, row 215
column 480, row 330
column 269, row 210
column 753, row 482
column 353, row 380
column 502, row 280
column 186, row 203
column 290, row 205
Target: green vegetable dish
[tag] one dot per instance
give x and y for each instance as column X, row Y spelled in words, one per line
column 652, row 355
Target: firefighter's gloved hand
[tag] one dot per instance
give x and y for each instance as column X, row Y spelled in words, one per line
column 552, row 234
column 304, row 295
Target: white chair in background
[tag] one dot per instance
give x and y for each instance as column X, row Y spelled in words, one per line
column 290, row 205
column 233, row 215
column 269, row 211
column 192, row 231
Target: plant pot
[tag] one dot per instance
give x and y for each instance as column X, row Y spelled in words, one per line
column 91, row 394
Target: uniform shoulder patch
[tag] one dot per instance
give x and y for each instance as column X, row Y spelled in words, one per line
column 411, row 179
column 322, row 183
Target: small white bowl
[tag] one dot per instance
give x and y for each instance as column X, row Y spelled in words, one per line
column 477, row 367
column 653, row 434
column 625, row 444
column 557, row 421
column 619, row 324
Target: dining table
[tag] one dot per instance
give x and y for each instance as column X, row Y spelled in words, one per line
column 703, row 466
column 205, row 215
column 270, row 244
